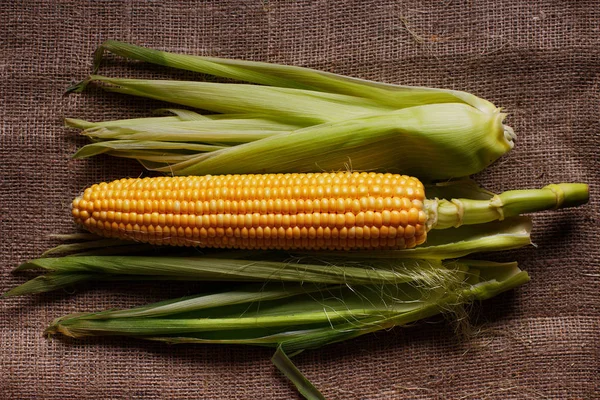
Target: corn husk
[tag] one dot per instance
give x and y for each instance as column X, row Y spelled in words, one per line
column 305, row 120
column 459, row 139
column 344, row 311
column 285, row 76
column 297, row 317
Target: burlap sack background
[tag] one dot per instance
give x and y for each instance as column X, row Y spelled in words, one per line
column 540, row 60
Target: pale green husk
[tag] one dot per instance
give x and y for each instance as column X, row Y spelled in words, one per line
column 396, row 96
column 298, row 120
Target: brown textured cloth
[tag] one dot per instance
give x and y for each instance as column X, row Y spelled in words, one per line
column 540, row 60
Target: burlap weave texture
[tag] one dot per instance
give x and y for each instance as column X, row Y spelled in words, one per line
column 540, row 60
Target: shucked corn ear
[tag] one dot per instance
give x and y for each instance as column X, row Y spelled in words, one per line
column 311, row 121
column 334, row 211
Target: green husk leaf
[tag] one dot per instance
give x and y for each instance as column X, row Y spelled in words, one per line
column 75, row 236
column 419, row 272
column 48, row 283
column 295, row 77
column 222, row 131
column 511, row 233
column 184, row 115
column 190, row 304
column 133, row 148
column 92, row 244
column 180, row 115
column 251, row 123
column 328, row 307
column 459, row 188
column 146, row 121
column 81, row 327
column 287, row 367
column 129, row 249
column 296, row 105
column 162, row 158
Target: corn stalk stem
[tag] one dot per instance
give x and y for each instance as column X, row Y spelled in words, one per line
column 456, row 212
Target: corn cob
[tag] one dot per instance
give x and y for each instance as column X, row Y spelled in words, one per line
column 320, row 211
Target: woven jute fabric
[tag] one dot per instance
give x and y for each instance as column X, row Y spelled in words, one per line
column 539, row 60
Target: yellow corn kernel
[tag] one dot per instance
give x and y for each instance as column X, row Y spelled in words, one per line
column 319, row 211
